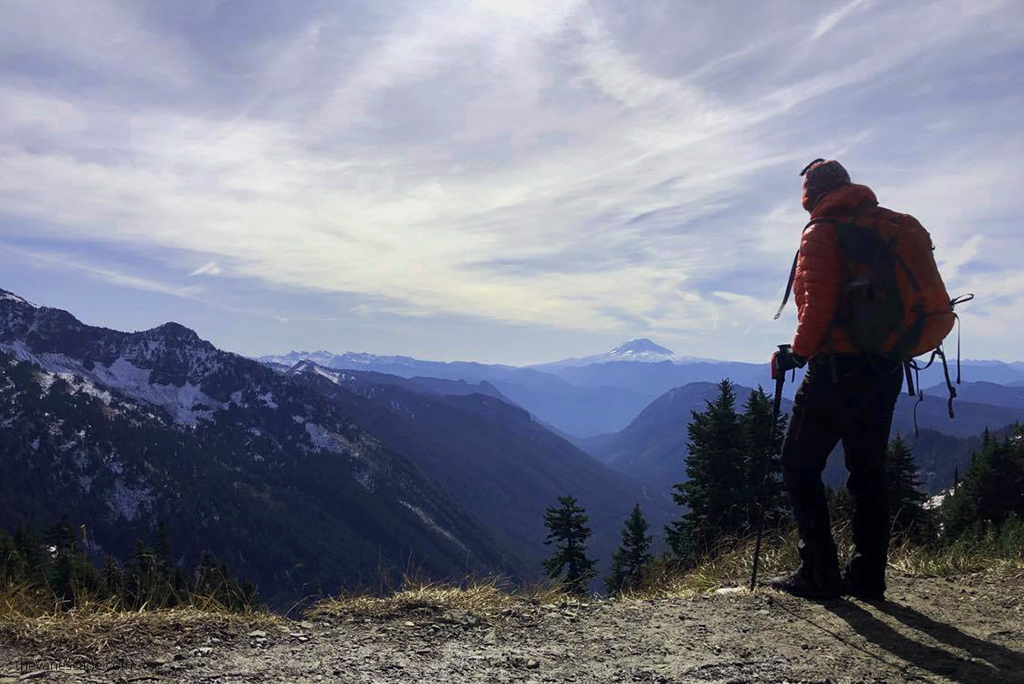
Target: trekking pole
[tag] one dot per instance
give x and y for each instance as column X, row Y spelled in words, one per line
column 780, row 380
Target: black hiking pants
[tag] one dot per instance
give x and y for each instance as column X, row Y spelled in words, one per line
column 854, row 404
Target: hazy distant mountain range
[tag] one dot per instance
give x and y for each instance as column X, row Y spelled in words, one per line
column 630, row 407
column 601, row 394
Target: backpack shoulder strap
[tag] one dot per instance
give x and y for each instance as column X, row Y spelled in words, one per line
column 792, row 271
column 863, row 207
column 789, row 287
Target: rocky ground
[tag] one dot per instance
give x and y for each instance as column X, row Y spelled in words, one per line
column 967, row 630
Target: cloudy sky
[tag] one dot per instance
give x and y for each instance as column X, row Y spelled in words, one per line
column 508, row 181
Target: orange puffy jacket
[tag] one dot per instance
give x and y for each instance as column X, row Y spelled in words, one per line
column 819, row 275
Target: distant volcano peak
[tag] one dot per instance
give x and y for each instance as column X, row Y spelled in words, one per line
column 639, row 350
column 641, row 346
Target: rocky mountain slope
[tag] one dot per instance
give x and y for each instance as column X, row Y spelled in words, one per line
column 503, row 465
column 952, row 631
column 120, row 430
column 348, row 472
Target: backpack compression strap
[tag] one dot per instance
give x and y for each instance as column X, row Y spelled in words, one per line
column 912, row 365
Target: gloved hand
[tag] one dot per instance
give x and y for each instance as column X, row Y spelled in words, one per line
column 784, row 360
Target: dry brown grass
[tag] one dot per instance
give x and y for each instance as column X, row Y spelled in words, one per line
column 733, row 562
column 28, row 617
column 485, row 597
column 729, row 566
column 956, row 559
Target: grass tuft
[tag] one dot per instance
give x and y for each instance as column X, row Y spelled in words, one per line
column 31, row 617
column 960, row 558
column 485, row 597
column 733, row 561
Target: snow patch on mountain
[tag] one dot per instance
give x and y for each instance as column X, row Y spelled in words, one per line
column 399, row 407
column 324, row 439
column 46, row 380
column 337, row 377
column 127, row 500
column 365, row 466
column 186, row 404
column 10, row 296
column 332, row 360
column 429, row 522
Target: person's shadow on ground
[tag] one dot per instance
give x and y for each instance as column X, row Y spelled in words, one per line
column 1000, row 664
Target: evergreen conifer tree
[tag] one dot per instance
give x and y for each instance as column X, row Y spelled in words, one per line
column 53, row 563
column 142, row 575
column 113, row 576
column 30, row 548
column 567, row 529
column 163, row 547
column 906, row 500
column 715, row 466
column 992, row 489
column 60, row 537
column 762, row 449
column 633, row 557
column 12, row 566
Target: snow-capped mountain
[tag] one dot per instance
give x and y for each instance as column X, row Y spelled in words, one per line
column 125, row 429
column 641, row 350
column 168, row 367
column 301, row 478
column 328, row 359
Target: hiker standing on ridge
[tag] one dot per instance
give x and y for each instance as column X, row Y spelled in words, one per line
column 846, row 395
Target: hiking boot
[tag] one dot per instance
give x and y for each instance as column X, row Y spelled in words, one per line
column 819, row 585
column 862, row 590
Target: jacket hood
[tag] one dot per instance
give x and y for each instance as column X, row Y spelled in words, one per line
column 843, row 200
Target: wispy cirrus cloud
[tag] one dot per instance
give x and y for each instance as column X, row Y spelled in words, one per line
column 836, row 17
column 598, row 167
column 110, row 275
column 209, row 268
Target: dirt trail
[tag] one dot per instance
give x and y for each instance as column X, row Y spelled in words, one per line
column 970, row 630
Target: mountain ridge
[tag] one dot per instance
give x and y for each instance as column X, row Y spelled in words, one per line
column 125, row 429
column 652, row 448
column 457, row 471
column 591, row 400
